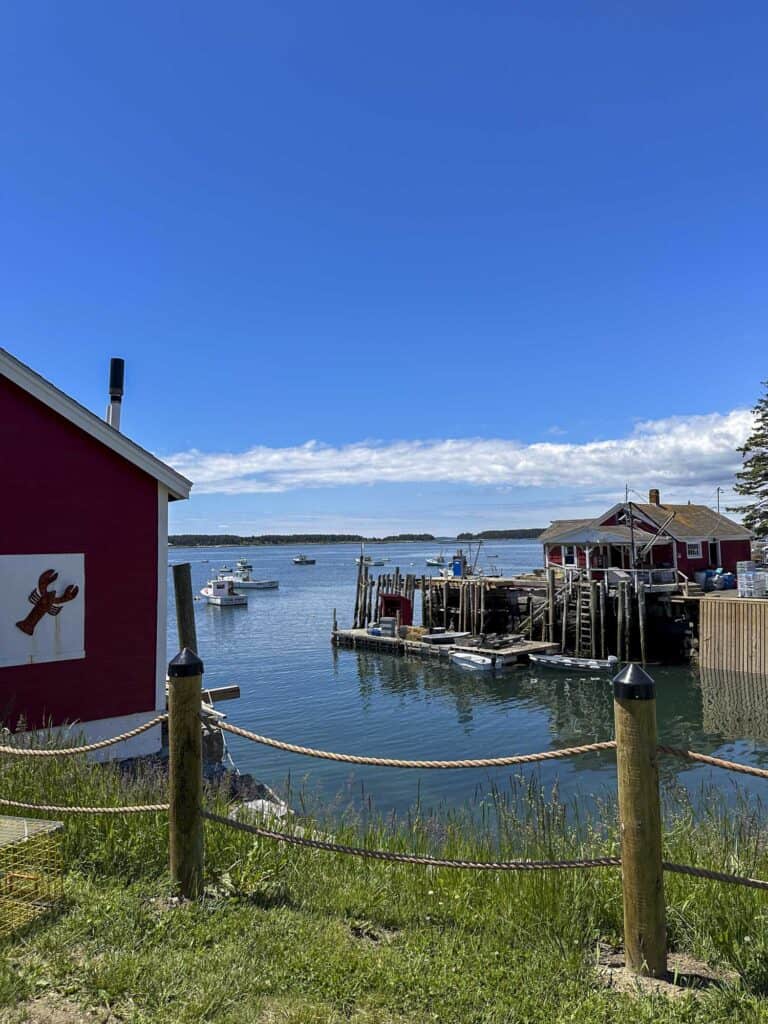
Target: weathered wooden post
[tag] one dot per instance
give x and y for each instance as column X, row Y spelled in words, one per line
column 551, row 605
column 564, row 623
column 634, row 705
column 593, row 602
column 185, row 773
column 185, row 606
column 641, row 619
column 620, row 612
column 603, row 587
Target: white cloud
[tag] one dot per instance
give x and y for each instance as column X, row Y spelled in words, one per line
column 688, row 454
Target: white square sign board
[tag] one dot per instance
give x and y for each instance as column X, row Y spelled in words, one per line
column 42, row 616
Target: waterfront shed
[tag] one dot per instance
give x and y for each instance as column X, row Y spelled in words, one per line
column 683, row 538
column 83, row 566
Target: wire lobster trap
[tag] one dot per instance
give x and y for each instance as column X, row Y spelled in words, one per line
column 31, row 870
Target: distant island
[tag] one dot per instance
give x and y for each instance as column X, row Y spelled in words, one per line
column 209, row 540
column 503, row 534
column 204, row 540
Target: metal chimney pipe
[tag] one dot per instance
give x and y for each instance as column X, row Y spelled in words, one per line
column 116, row 380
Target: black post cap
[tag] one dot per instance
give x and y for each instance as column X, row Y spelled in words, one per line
column 633, row 683
column 186, row 663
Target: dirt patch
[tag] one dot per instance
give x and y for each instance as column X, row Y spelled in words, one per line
column 685, row 975
column 52, row 1009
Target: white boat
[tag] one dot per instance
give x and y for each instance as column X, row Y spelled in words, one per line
column 564, row 663
column 222, row 593
column 473, row 662
column 370, row 560
column 243, row 565
column 436, row 559
column 304, row 560
column 241, row 579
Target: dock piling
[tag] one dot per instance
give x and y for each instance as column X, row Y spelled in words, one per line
column 640, row 822
column 185, row 773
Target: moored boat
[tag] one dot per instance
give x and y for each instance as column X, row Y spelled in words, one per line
column 566, row 663
column 222, row 593
column 241, row 579
column 473, row 662
column 304, row 560
column 436, row 559
column 369, row 560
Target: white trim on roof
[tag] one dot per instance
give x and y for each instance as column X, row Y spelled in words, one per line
column 61, row 403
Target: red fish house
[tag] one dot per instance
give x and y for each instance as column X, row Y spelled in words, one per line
column 649, row 538
column 83, row 565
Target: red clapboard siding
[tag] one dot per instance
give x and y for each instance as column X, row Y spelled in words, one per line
column 65, row 492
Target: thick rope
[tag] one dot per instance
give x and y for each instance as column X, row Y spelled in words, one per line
column 394, row 762
column 408, row 858
column 717, row 876
column 68, row 751
column 55, row 809
column 716, row 762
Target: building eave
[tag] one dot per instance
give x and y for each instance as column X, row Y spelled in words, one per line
column 49, row 395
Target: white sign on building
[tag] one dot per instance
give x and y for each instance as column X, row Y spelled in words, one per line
column 42, row 608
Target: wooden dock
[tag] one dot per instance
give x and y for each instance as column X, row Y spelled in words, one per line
column 510, row 654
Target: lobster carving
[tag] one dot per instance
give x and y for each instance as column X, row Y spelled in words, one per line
column 45, row 601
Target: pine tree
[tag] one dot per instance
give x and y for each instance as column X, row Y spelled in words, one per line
column 753, row 476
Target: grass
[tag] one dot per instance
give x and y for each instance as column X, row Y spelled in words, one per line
column 292, row 936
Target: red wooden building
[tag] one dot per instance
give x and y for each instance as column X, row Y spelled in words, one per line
column 681, row 539
column 83, row 565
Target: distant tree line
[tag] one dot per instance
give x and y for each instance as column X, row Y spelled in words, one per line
column 503, row 534
column 199, row 540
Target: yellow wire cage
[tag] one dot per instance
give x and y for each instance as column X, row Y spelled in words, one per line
column 31, row 871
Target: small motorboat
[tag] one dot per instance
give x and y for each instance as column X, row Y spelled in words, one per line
column 222, row 594
column 565, row 663
column 369, row 560
column 473, row 662
column 304, row 560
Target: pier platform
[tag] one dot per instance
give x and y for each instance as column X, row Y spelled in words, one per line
column 510, row 654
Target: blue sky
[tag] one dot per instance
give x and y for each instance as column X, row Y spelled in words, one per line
column 395, row 266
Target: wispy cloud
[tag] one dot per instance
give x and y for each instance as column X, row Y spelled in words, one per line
column 680, row 452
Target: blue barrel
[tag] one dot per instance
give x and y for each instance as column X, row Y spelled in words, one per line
column 457, row 567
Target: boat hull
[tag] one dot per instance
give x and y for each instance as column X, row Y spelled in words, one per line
column 562, row 663
column 472, row 662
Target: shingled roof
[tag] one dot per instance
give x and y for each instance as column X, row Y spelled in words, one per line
column 694, row 521
column 690, row 522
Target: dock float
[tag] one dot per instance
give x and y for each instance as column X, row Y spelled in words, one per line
column 511, row 654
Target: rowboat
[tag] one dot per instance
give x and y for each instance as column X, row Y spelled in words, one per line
column 473, row 662
column 564, row 663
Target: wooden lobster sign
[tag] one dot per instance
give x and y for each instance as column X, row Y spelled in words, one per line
column 46, row 601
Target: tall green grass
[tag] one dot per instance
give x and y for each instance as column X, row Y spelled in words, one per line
column 306, row 907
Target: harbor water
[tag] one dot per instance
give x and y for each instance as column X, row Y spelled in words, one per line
column 296, row 686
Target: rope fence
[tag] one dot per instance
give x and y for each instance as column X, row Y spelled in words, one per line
column 87, row 748
column 396, row 762
column 67, row 809
column 636, row 747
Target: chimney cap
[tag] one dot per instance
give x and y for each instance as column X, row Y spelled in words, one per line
column 116, row 377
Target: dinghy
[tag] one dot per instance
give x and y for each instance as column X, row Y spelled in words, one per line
column 564, row 663
column 473, row 662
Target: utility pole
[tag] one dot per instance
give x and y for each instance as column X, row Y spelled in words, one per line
column 719, row 491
